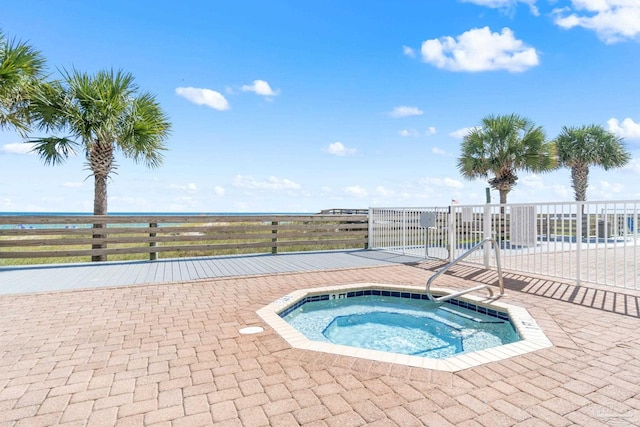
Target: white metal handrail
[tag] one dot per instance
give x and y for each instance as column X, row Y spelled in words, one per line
column 475, row 288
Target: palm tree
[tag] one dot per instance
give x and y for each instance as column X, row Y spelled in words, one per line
column 502, row 146
column 21, row 68
column 585, row 146
column 101, row 114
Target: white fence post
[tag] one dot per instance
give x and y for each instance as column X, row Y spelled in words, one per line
column 371, row 240
column 452, row 233
column 404, row 231
column 486, row 231
column 579, row 211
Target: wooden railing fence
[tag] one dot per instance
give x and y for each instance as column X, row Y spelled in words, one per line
column 67, row 238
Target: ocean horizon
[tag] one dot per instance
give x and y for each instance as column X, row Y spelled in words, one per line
column 26, row 224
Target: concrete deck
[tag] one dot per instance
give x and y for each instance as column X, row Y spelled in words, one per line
column 170, row 354
column 53, row 277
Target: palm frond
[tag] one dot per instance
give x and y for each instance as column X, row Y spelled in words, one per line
column 54, row 150
column 21, row 70
column 502, row 145
column 580, row 147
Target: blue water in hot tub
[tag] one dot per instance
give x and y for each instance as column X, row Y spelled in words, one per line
column 401, row 325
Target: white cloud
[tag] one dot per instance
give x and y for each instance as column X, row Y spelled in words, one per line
column 633, row 166
column 452, row 183
column 127, row 201
column 627, row 129
column 414, row 133
column 18, row 148
column 184, row 199
column 384, row 192
column 339, row 149
column 48, row 200
column 433, row 183
column 606, row 190
column 7, row 204
column 507, row 5
column 356, row 191
column 491, row 3
column 72, row 184
column 480, row 50
column 563, row 192
column 218, row 191
column 438, row 151
column 404, row 111
column 532, row 181
column 201, row 96
column 461, row 133
column 184, row 203
column 271, row 183
column 408, row 51
column 408, row 132
column 260, row 87
column 612, row 20
column 190, row 187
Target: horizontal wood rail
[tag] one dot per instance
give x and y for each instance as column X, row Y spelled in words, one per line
column 54, row 238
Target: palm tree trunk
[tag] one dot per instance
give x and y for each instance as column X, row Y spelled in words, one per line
column 101, row 164
column 500, row 231
column 100, row 195
column 503, row 196
column 503, row 199
column 99, row 208
column 579, row 181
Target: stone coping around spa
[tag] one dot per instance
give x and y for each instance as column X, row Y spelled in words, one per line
column 532, row 336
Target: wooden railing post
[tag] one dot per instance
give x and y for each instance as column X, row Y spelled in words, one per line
column 97, row 234
column 153, row 255
column 274, row 239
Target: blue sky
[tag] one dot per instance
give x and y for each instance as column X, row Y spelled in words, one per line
column 298, row 106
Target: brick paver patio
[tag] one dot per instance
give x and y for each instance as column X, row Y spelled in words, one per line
column 171, row 355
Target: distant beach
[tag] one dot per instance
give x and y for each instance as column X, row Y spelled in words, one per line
column 153, row 213
column 26, row 225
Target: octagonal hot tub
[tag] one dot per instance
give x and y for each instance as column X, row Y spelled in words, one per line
column 399, row 324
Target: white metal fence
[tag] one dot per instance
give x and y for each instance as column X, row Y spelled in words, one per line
column 595, row 242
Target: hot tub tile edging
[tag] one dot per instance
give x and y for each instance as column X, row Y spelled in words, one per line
column 532, row 336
